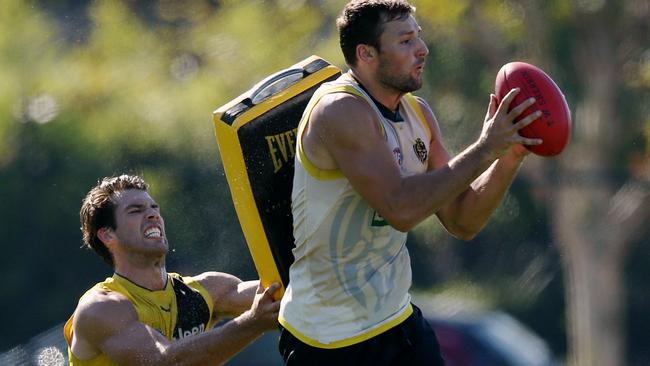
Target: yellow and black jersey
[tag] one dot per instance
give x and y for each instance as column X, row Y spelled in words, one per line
column 183, row 308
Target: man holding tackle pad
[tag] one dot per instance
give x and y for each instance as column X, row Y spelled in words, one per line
column 144, row 315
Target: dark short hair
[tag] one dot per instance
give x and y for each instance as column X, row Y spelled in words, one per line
column 362, row 22
column 98, row 210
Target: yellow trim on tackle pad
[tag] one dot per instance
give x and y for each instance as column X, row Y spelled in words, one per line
column 256, row 135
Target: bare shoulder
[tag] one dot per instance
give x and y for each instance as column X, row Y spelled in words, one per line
column 338, row 110
column 429, row 115
column 231, row 296
column 98, row 316
column 218, row 284
column 334, row 127
column 340, row 118
column 102, row 307
column 335, row 102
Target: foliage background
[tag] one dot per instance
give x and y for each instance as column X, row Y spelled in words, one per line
column 95, row 88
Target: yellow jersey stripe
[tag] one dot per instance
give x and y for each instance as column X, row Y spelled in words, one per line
column 312, row 169
column 415, row 106
column 353, row 340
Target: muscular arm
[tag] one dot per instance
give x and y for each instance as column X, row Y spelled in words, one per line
column 108, row 323
column 231, row 295
column 470, row 212
column 346, row 129
column 466, row 215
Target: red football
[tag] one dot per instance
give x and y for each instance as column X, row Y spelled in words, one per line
column 554, row 126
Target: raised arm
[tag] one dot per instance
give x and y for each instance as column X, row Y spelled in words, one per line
column 344, row 134
column 466, row 215
column 108, row 323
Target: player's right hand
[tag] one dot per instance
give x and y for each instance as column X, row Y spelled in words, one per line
column 265, row 308
column 499, row 132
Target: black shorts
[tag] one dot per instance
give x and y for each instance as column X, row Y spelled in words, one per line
column 413, row 342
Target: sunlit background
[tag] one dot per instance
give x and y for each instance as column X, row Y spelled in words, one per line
column 95, row 88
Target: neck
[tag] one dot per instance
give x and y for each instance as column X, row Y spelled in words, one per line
column 389, row 97
column 152, row 276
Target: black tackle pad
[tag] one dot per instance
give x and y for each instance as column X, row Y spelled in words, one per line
column 256, row 133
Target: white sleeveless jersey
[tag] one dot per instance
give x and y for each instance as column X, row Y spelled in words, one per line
column 352, row 271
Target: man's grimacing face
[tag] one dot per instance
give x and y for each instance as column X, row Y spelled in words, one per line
column 139, row 226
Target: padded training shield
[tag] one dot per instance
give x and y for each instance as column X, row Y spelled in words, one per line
column 256, row 134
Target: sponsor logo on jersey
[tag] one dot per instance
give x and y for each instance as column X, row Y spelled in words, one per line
column 193, row 313
column 378, row 220
column 182, row 333
column 398, row 155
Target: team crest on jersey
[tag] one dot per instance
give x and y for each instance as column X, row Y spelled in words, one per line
column 420, row 150
column 398, row 155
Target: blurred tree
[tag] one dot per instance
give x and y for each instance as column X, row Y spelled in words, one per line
column 596, row 193
column 599, row 206
column 91, row 89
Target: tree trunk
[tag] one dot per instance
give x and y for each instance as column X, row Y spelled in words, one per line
column 592, row 222
column 593, row 283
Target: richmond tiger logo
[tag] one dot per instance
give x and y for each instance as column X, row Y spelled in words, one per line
column 420, row 150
